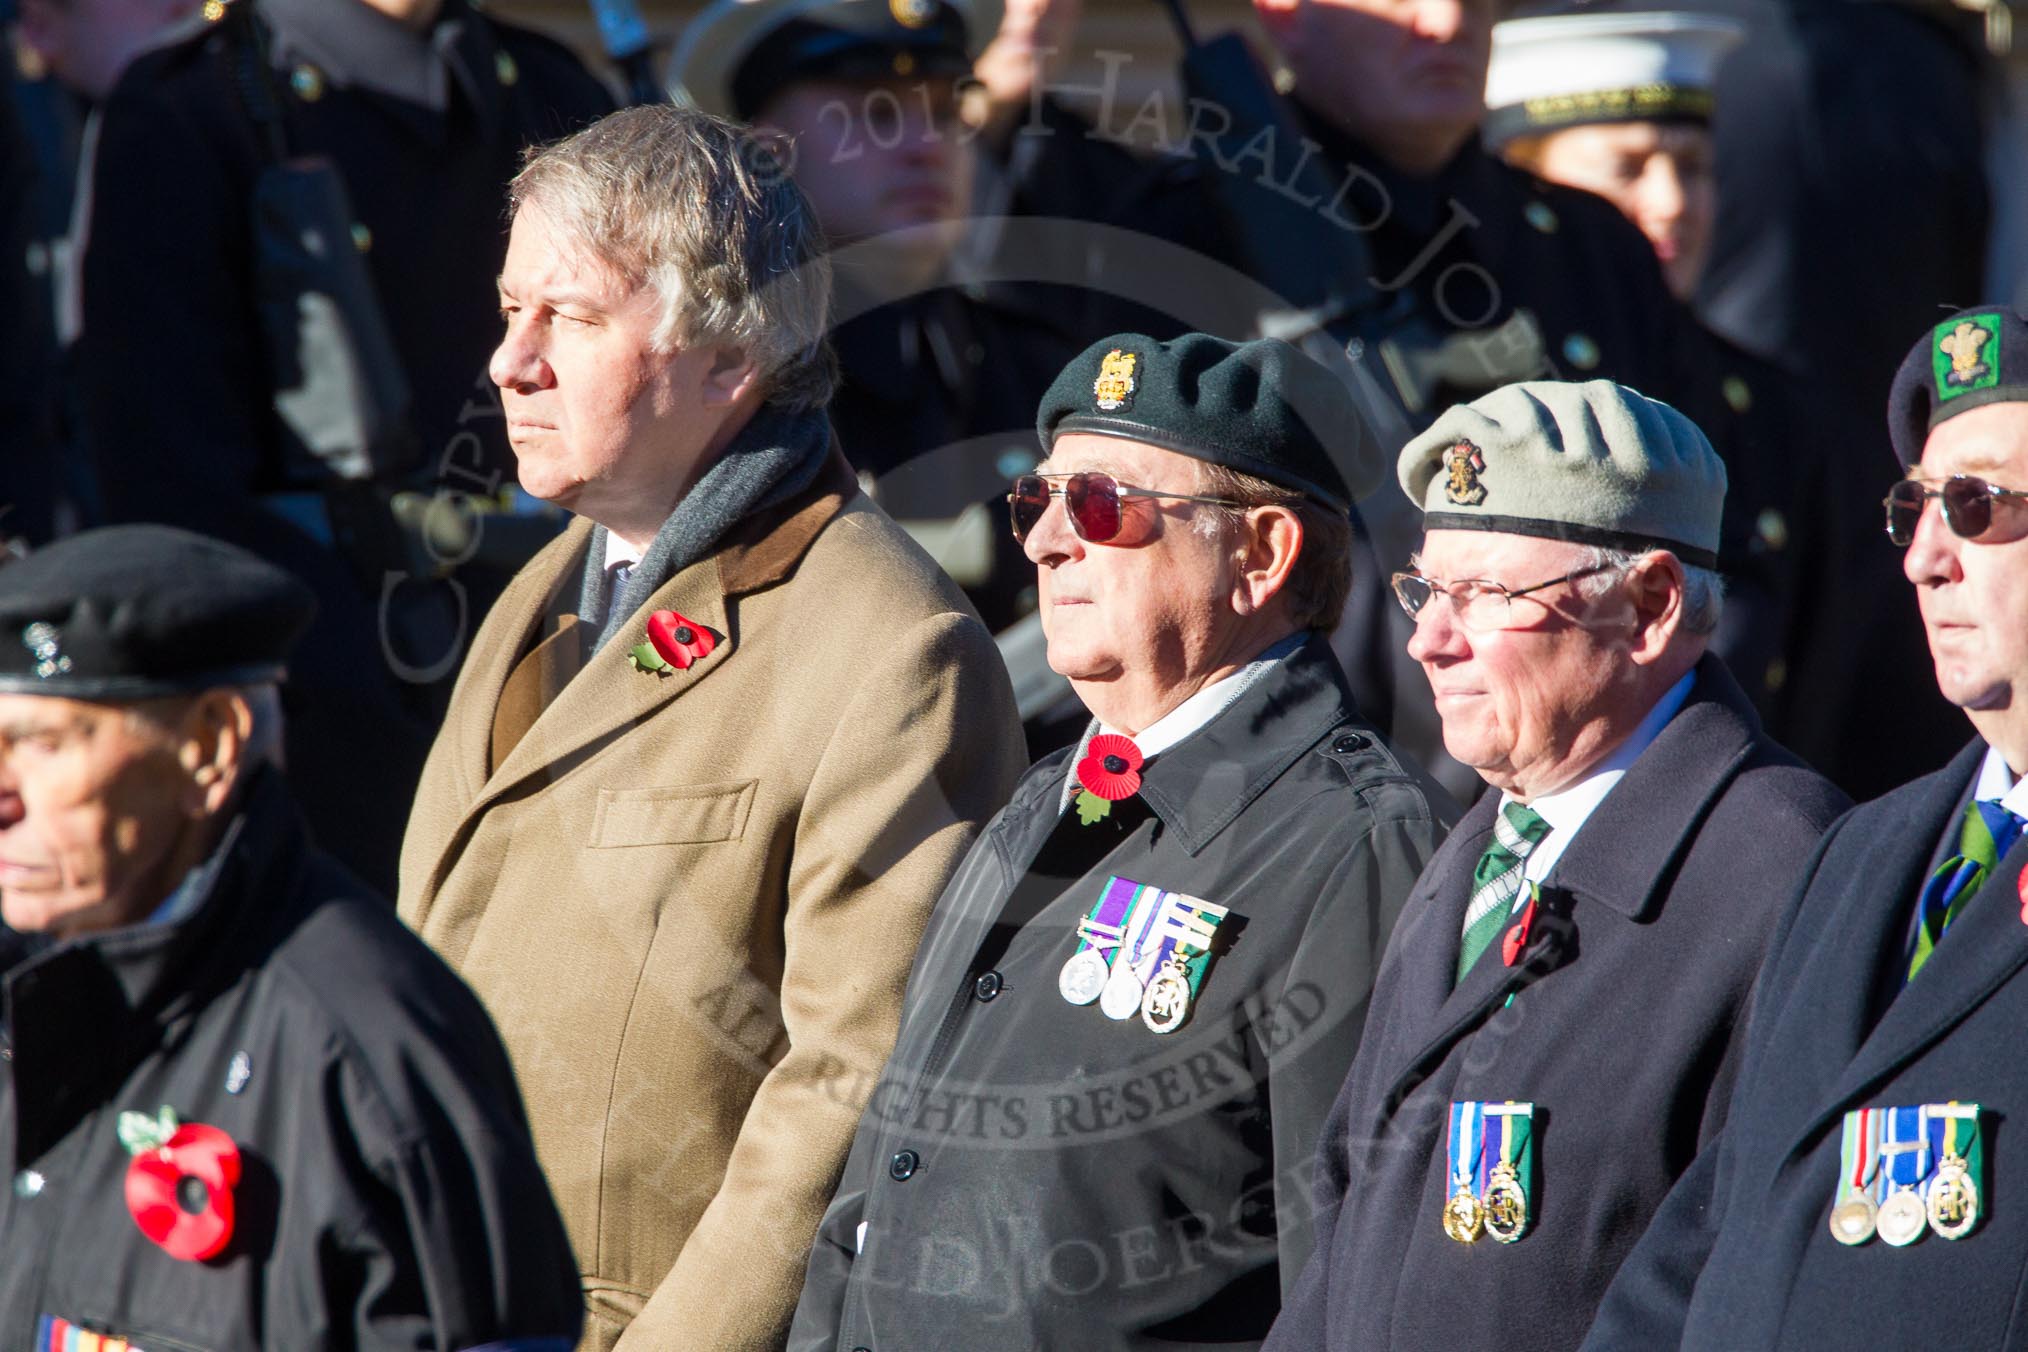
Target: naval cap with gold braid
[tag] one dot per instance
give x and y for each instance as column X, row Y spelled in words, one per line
column 1593, row 463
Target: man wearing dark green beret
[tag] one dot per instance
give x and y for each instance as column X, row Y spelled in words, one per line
column 1138, row 994
column 241, row 1107
column 1552, row 1035
column 1863, row 1192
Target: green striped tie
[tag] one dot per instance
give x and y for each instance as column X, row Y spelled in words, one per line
column 1496, row 882
column 1989, row 830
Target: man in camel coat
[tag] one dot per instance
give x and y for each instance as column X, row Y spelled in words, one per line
column 714, row 752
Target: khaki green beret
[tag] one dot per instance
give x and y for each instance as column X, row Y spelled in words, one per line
column 1592, row 463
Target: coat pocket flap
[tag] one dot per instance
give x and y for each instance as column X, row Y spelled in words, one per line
column 693, row 814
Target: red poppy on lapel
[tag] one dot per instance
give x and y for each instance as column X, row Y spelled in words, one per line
column 673, row 642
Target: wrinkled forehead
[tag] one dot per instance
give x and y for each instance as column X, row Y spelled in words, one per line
column 1131, row 462
column 1496, row 556
column 1991, row 442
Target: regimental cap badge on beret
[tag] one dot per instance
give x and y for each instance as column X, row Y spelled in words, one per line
column 1966, row 355
column 44, row 642
column 1113, row 391
column 1974, row 358
column 1463, row 463
column 1591, row 463
column 912, row 13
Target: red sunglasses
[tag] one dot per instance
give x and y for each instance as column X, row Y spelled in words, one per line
column 1093, row 501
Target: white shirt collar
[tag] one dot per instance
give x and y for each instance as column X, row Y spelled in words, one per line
column 1568, row 808
column 1998, row 784
column 1191, row 716
column 619, row 551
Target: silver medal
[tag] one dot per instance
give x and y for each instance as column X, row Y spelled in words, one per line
column 1121, row 998
column 1083, row 977
column 1902, row 1218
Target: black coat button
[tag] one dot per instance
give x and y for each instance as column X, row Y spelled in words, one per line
column 1351, row 741
column 988, row 985
column 903, row 1166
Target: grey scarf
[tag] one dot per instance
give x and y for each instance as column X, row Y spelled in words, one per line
column 774, row 457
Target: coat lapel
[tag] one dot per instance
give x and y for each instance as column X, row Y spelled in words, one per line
column 609, row 693
column 1617, row 862
column 1986, row 945
column 533, row 596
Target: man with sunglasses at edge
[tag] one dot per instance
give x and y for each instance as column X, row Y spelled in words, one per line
column 1138, row 994
column 1851, row 1196
column 1551, row 1040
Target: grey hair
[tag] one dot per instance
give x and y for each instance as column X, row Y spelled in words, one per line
column 701, row 210
column 1703, row 589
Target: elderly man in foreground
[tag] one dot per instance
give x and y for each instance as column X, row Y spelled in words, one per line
column 716, row 750
column 241, row 1107
column 1139, row 993
column 1860, row 1193
column 1553, row 1032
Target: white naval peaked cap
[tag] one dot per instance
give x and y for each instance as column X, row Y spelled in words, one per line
column 1550, row 71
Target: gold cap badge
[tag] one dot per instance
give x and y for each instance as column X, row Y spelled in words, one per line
column 1114, row 388
column 1465, row 463
column 912, row 13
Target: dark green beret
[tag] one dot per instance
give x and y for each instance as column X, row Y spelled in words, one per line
column 1261, row 408
column 132, row 612
column 1974, row 358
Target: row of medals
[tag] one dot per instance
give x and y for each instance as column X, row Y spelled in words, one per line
column 1164, row 1002
column 1951, row 1210
column 1501, row 1212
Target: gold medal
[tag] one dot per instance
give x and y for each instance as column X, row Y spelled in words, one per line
column 1083, row 977
column 1167, row 1002
column 1901, row 1218
column 1853, row 1222
column 1463, row 1216
column 1505, row 1205
column 1953, row 1200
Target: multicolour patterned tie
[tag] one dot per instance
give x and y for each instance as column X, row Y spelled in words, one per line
column 1989, row 831
column 1497, row 881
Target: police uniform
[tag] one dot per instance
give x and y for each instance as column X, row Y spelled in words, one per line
column 1859, row 1192
column 177, row 382
column 1505, row 1133
column 267, row 1116
column 1045, row 1163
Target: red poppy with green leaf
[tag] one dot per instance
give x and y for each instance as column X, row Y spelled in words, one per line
column 180, row 1182
column 1110, row 771
column 674, row 643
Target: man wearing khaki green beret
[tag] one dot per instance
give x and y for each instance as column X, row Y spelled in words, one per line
column 1551, row 1037
column 1140, row 991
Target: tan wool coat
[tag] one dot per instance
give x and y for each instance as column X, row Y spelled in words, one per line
column 690, row 899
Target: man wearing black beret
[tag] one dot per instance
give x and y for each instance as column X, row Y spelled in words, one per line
column 1863, row 1190
column 240, row 1105
column 1138, row 994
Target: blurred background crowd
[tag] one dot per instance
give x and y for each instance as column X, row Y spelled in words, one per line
column 1790, row 189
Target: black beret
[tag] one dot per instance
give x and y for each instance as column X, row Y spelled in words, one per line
column 1974, row 358
column 1261, row 408
column 132, row 612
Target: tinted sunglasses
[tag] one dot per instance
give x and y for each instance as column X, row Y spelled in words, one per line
column 1092, row 500
column 1967, row 508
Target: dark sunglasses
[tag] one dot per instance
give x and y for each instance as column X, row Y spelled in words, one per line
column 1093, row 501
column 1967, row 508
